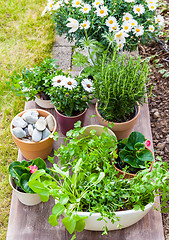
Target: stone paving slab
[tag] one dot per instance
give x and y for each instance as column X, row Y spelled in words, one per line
column 61, row 41
column 63, row 56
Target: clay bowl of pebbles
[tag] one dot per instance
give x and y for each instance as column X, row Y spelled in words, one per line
column 30, row 130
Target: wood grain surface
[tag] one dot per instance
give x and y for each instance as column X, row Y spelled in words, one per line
column 31, row 223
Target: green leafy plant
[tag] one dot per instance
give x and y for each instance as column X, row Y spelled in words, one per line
column 133, row 153
column 86, row 181
column 22, row 171
column 119, row 85
column 36, row 81
column 131, row 22
column 70, row 95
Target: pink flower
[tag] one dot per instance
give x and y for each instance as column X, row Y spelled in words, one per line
column 33, row 168
column 147, row 143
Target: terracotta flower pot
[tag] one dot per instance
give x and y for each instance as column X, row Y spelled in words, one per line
column 67, row 123
column 121, row 130
column 132, row 175
column 29, row 199
column 33, row 150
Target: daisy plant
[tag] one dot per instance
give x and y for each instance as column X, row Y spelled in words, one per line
column 132, row 21
column 70, row 95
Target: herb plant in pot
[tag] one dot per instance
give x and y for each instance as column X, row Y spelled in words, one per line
column 70, row 97
column 20, row 173
column 35, row 83
column 120, row 87
column 87, row 189
column 133, row 155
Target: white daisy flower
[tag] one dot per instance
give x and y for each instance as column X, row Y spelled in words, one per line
column 120, row 36
column 58, row 80
column 120, row 45
column 126, row 26
column 57, row 5
column 127, row 17
column 87, row 85
column 48, row 7
column 152, row 6
column 102, row 11
column 66, row 1
column 138, row 30
column 73, row 24
column 151, row 28
column 159, row 19
column 111, row 21
column 86, row 8
column 114, row 28
column 85, row 24
column 69, row 83
column 151, row 1
column 97, row 3
column 139, row 9
column 76, row 3
column 133, row 23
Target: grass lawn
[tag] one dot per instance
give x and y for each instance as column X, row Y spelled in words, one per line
column 26, row 38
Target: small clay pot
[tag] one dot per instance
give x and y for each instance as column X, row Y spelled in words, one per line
column 131, row 175
column 43, row 103
column 121, row 130
column 67, row 123
column 33, row 150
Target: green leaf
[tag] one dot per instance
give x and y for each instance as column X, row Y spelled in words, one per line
column 101, row 176
column 77, row 124
column 139, row 146
column 70, row 224
column 13, row 164
column 64, row 199
column 135, row 137
column 62, row 173
column 80, row 225
column 162, row 71
column 53, row 220
column 92, row 116
column 24, row 183
column 136, row 207
column 39, row 188
column 40, row 163
column 58, row 209
column 145, row 155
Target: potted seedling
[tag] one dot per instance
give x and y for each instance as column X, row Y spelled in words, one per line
column 20, row 173
column 87, row 189
column 133, row 155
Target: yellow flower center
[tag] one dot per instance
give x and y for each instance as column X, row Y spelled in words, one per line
column 151, row 29
column 114, row 28
column 158, row 20
column 111, row 21
column 132, row 24
column 102, row 11
column 85, row 9
column 137, row 30
column 77, row 3
column 126, row 28
column 119, row 35
column 138, row 9
column 69, row 83
column 58, row 81
column 84, row 24
column 120, row 45
column 97, row 3
column 88, row 85
column 152, row 7
column 50, row 5
column 127, row 18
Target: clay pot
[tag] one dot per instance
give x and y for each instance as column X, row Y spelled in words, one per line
column 33, row 150
column 132, row 175
column 67, row 123
column 121, row 130
column 43, row 103
column 29, row 199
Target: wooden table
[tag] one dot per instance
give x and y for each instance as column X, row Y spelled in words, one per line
column 31, row 223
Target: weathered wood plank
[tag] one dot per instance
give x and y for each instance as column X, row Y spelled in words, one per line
column 31, row 223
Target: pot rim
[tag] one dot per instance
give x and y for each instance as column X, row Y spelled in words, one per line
column 134, row 174
column 70, row 116
column 138, row 112
column 12, row 185
column 33, row 143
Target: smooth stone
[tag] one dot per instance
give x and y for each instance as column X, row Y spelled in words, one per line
column 26, row 140
column 35, row 113
column 45, row 133
column 27, row 132
column 19, row 122
column 41, row 124
column 30, row 129
column 19, row 132
column 29, row 117
column 50, row 122
column 37, row 135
